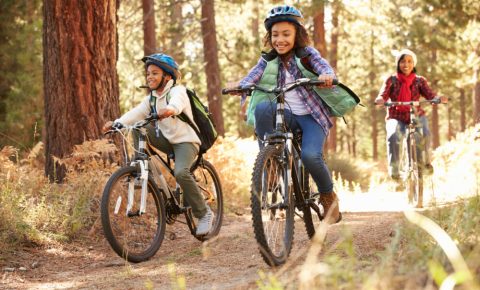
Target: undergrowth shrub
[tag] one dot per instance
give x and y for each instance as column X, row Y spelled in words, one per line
column 33, row 210
column 349, row 173
column 233, row 159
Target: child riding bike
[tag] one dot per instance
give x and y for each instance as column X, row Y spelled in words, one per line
column 405, row 86
column 288, row 59
column 170, row 134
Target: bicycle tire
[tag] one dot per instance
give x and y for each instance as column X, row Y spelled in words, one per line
column 135, row 238
column 415, row 180
column 272, row 206
column 207, row 179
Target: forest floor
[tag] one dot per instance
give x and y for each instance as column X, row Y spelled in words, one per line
column 231, row 261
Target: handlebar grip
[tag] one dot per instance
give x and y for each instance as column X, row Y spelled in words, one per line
column 226, row 91
column 246, row 89
column 117, row 125
column 319, row 82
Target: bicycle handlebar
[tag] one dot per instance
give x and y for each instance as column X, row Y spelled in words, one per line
column 412, row 103
column 117, row 127
column 287, row 87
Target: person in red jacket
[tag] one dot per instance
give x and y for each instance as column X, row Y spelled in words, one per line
column 404, row 86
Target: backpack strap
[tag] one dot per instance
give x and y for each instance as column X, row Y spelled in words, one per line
column 182, row 116
column 153, row 103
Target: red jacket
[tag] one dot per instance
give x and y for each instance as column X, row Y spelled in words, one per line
column 391, row 89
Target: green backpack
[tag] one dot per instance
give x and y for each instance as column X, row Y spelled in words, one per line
column 340, row 99
column 205, row 129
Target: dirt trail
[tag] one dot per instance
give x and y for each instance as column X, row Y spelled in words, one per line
column 231, row 261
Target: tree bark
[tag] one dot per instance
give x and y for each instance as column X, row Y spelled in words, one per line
column 476, row 90
column 463, row 111
column 332, row 139
column 319, row 27
column 373, row 95
column 212, row 68
column 176, row 28
column 434, row 118
column 79, row 71
column 149, row 41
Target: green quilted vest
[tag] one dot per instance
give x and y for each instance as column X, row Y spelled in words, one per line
column 340, row 99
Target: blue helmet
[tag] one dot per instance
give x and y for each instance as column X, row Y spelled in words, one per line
column 283, row 13
column 163, row 61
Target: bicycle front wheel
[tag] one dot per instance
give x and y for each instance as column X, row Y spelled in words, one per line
column 133, row 236
column 209, row 183
column 415, row 178
column 272, row 206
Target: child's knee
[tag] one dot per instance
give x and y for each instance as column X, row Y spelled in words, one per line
column 182, row 173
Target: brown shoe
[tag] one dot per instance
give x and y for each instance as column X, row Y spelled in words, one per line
column 330, row 203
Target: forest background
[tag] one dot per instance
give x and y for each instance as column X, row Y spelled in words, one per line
column 356, row 37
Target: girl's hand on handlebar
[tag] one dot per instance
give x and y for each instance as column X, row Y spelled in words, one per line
column 231, row 86
column 443, row 99
column 328, row 79
column 379, row 101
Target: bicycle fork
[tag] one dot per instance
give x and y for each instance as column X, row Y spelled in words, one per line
column 143, row 180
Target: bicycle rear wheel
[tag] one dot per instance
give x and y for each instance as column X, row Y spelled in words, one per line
column 132, row 236
column 207, row 179
column 415, row 178
column 272, row 206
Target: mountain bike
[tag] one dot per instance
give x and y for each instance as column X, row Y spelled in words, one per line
column 410, row 165
column 281, row 186
column 142, row 197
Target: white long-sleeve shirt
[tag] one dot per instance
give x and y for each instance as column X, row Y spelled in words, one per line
column 175, row 130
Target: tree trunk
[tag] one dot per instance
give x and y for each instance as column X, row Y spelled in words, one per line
column 373, row 95
column 319, row 27
column 332, row 140
column 463, row 111
column 476, row 90
column 80, row 78
column 176, row 28
column 434, row 120
column 149, row 41
column 212, row 68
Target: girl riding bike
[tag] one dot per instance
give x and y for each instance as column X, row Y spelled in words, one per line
column 288, row 60
column 404, row 86
column 170, row 134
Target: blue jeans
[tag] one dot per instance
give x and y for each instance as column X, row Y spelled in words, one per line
column 313, row 140
column 396, row 131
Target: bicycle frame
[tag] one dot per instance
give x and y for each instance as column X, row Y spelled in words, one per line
column 291, row 147
column 148, row 159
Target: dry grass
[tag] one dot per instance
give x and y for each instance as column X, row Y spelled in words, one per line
column 414, row 259
column 36, row 211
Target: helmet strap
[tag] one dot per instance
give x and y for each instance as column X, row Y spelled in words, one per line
column 161, row 84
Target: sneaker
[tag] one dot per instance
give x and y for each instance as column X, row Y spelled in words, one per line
column 205, row 223
column 327, row 200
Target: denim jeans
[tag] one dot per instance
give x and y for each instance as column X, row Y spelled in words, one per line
column 396, row 131
column 313, row 140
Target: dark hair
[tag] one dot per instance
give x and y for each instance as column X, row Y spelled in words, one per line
column 398, row 65
column 301, row 37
